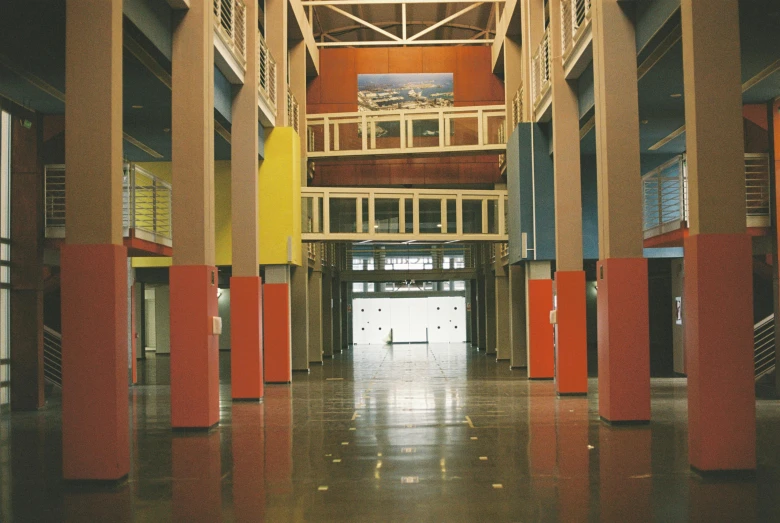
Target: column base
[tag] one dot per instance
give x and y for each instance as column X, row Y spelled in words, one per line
column 277, row 353
column 718, row 322
column 571, row 347
column 624, row 340
column 194, row 349
column 246, row 337
column 95, row 430
column 541, row 336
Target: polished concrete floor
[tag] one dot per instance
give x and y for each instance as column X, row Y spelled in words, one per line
column 412, row 433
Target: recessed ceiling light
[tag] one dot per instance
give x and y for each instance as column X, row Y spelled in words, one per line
column 676, row 95
column 167, row 130
column 644, row 121
column 137, row 106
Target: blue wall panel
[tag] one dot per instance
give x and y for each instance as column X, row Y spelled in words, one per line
column 650, row 17
column 153, row 19
column 223, row 95
column 585, row 90
column 590, row 208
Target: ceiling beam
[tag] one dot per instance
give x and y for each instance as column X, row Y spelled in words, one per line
column 502, row 26
column 387, row 25
column 324, row 3
column 308, row 35
column 363, row 22
column 407, row 42
column 442, row 22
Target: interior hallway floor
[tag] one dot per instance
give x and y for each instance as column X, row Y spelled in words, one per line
column 404, row 433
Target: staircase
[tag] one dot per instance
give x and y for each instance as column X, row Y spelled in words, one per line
column 52, row 356
column 764, row 346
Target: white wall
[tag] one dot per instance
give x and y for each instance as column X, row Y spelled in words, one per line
column 411, row 319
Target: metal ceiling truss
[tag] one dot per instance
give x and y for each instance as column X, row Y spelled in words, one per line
column 482, row 35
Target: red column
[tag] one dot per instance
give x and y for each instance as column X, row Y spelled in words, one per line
column 246, row 337
column 573, row 458
column 719, row 354
column 95, row 433
column 624, row 340
column 276, row 321
column 248, row 460
column 571, row 348
column 541, row 336
column 194, row 347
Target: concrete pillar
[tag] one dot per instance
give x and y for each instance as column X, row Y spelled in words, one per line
column 27, row 391
column 718, row 264
column 299, row 310
column 513, row 76
column 540, row 336
column 277, row 325
column 246, row 302
column 532, row 20
column 162, row 319
column 327, row 314
column 519, row 347
column 503, row 305
column 193, row 275
column 276, row 13
column 95, row 433
column 315, row 315
column 623, row 315
column 490, row 314
column 571, row 341
column 338, row 326
column 481, row 342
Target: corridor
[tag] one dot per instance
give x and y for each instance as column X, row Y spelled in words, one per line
column 392, row 433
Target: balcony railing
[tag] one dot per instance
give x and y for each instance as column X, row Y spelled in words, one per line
column 146, row 204
column 266, row 66
column 665, row 195
column 230, row 26
column 293, row 114
column 575, row 19
column 540, row 69
column 411, row 257
column 346, row 214
column 405, row 131
column 517, row 107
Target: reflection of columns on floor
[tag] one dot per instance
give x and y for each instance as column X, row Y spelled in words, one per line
column 327, row 314
column 490, row 313
column 542, row 441
column 625, row 468
column 278, row 447
column 197, row 475
column 315, row 313
column 277, row 333
column 517, row 327
column 473, row 313
column 338, row 326
column 480, row 312
column 246, row 302
column 248, row 445
column 26, row 323
column 539, row 332
column 717, row 297
column 503, row 305
column 299, row 312
column 193, row 275
column 623, row 316
column 573, row 458
column 571, row 364
column 95, row 432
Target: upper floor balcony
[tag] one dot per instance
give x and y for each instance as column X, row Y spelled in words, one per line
column 400, row 132
column 147, row 224
column 665, row 200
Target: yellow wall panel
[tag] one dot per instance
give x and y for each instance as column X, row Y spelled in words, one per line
column 279, row 194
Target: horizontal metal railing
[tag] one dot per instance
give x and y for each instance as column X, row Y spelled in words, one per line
column 764, row 355
column 575, row 18
column 357, row 214
column 52, row 356
column 230, row 26
column 266, row 66
column 665, row 195
column 410, row 257
column 540, row 69
column 293, row 111
column 146, row 204
column 517, row 107
column 413, row 130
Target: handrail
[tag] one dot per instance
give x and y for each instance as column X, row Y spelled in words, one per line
column 146, row 204
column 408, row 130
column 764, row 356
column 575, row 16
column 540, row 72
column 230, row 25
column 293, row 110
column 52, row 356
column 517, row 107
column 266, row 67
column 757, row 191
column 446, row 257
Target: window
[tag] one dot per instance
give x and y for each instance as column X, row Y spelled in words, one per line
column 5, row 259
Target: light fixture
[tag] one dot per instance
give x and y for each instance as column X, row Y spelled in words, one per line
column 644, row 122
column 166, row 129
column 676, row 95
column 438, row 225
column 137, row 106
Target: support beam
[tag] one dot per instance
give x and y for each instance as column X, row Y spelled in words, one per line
column 717, row 297
column 519, row 346
column 299, row 311
column 444, row 21
column 503, row 305
column 315, row 315
column 276, row 37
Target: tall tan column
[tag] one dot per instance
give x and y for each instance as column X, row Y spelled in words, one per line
column 718, row 292
column 532, row 20
column 623, row 316
column 95, row 434
column 571, row 364
column 513, row 76
column 490, row 312
column 299, row 311
column 327, row 314
column 503, row 308
column 315, row 312
column 193, row 276
column 276, row 36
column 246, row 304
column 519, row 347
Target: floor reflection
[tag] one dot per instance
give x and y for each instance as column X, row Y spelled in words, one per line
column 404, row 433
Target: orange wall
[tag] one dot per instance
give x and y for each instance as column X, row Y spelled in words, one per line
column 335, row 90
